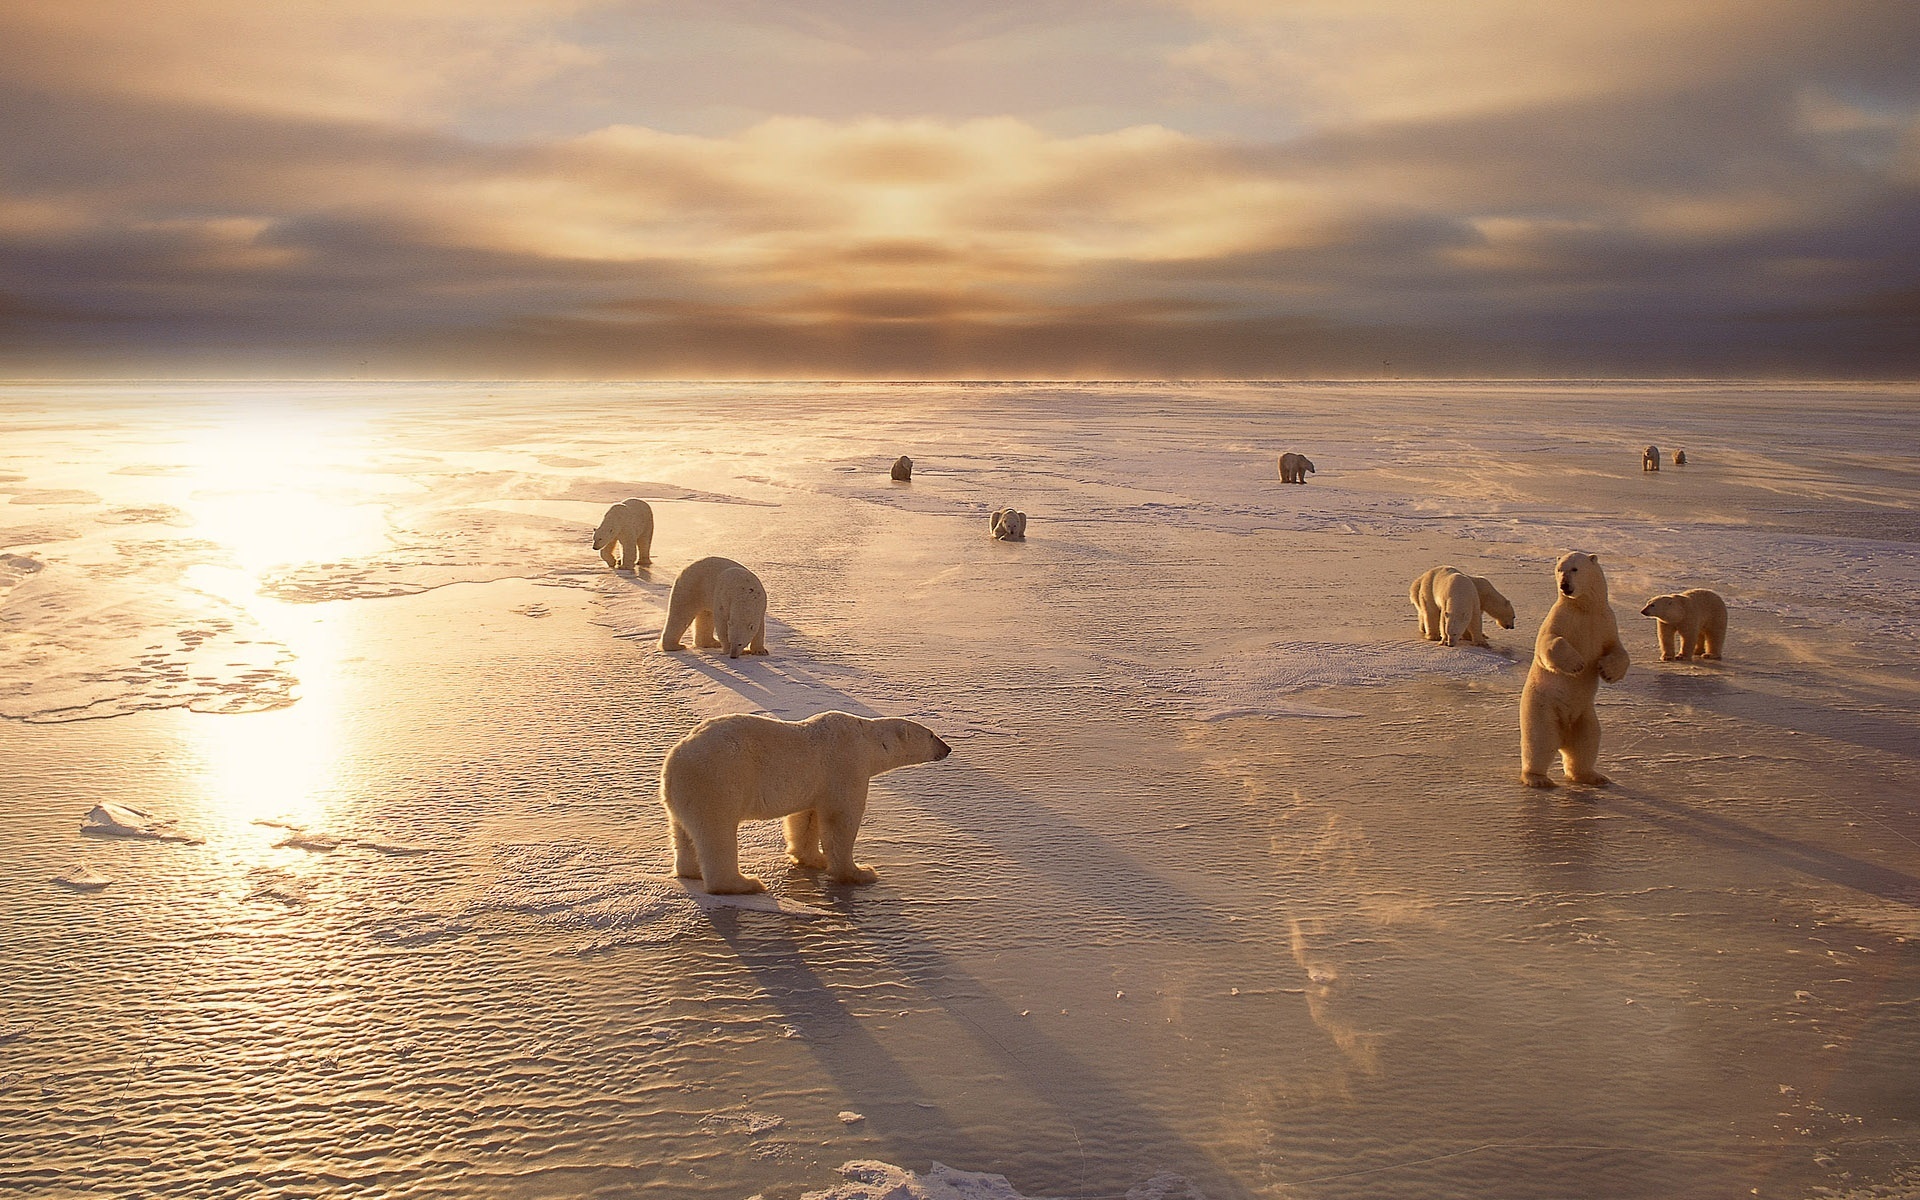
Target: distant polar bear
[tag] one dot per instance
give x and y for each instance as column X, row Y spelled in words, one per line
column 1679, row 458
column 903, row 469
column 717, row 596
column 812, row 772
column 629, row 525
column 1450, row 601
column 1697, row 615
column 1578, row 646
column 1650, row 459
column 1008, row 525
column 1294, row 468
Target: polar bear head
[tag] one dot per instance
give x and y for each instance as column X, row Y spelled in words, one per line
column 898, row 742
column 1493, row 603
column 739, row 610
column 1670, row 608
column 1580, row 577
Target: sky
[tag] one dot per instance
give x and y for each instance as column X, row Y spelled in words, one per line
column 972, row 189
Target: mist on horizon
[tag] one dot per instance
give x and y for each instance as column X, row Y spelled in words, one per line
column 1173, row 189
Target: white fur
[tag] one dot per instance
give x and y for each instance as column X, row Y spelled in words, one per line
column 1449, row 603
column 724, row 602
column 628, row 525
column 814, row 773
column 1578, row 646
column 1008, row 525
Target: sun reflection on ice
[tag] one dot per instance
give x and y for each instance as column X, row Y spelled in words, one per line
column 280, row 765
column 273, row 487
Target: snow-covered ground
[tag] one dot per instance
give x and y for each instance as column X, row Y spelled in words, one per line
column 1228, row 889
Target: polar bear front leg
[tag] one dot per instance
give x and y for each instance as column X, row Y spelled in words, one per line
column 1614, row 663
column 1562, row 657
column 803, row 840
column 703, row 623
column 839, row 820
column 606, row 554
column 645, row 546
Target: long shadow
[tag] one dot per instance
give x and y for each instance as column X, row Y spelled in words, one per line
column 1717, row 694
column 860, row 1066
column 1023, row 831
column 1818, row 861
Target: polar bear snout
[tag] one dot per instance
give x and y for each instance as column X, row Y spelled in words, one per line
column 941, row 749
column 1648, row 610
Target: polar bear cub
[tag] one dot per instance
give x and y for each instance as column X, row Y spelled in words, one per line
column 1578, row 646
column 1450, row 601
column 628, row 525
column 813, row 773
column 1697, row 616
column 1294, row 468
column 903, row 469
column 724, row 602
column 1008, row 525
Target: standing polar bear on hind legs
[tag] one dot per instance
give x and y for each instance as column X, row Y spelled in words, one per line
column 1450, row 602
column 1294, row 468
column 629, row 526
column 814, row 773
column 717, row 596
column 1578, row 646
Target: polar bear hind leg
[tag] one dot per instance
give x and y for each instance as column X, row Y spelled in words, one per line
column 1582, row 751
column 719, row 851
column 643, row 546
column 1713, row 638
column 803, row 840
column 1539, row 737
column 686, row 860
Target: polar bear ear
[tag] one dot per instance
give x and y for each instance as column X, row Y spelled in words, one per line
column 1593, row 558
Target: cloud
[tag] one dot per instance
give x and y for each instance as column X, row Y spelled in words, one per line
column 441, row 186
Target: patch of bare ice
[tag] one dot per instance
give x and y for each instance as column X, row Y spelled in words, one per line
column 866, row 1179
column 1262, row 682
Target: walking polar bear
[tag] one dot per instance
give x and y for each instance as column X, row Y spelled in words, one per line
column 1650, row 459
column 628, row 525
column 814, row 773
column 1450, row 601
column 1008, row 525
column 724, row 602
column 1578, row 646
column 1697, row 616
column 1294, row 468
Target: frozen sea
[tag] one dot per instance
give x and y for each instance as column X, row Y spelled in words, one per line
column 1229, row 888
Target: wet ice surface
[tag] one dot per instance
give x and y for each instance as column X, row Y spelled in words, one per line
column 1228, row 888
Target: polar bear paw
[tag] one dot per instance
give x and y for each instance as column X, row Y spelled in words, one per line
column 1534, row 779
column 857, row 876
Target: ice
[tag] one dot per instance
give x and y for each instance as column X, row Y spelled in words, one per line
column 870, row 1180
column 1125, row 941
column 120, row 820
column 82, row 878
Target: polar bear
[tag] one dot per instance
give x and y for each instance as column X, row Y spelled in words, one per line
column 1450, row 601
column 1650, row 459
column 1294, row 468
column 1008, row 525
column 814, row 773
column 1578, row 646
column 724, row 602
column 629, row 525
column 903, row 469
column 1679, row 458
column 1697, row 615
